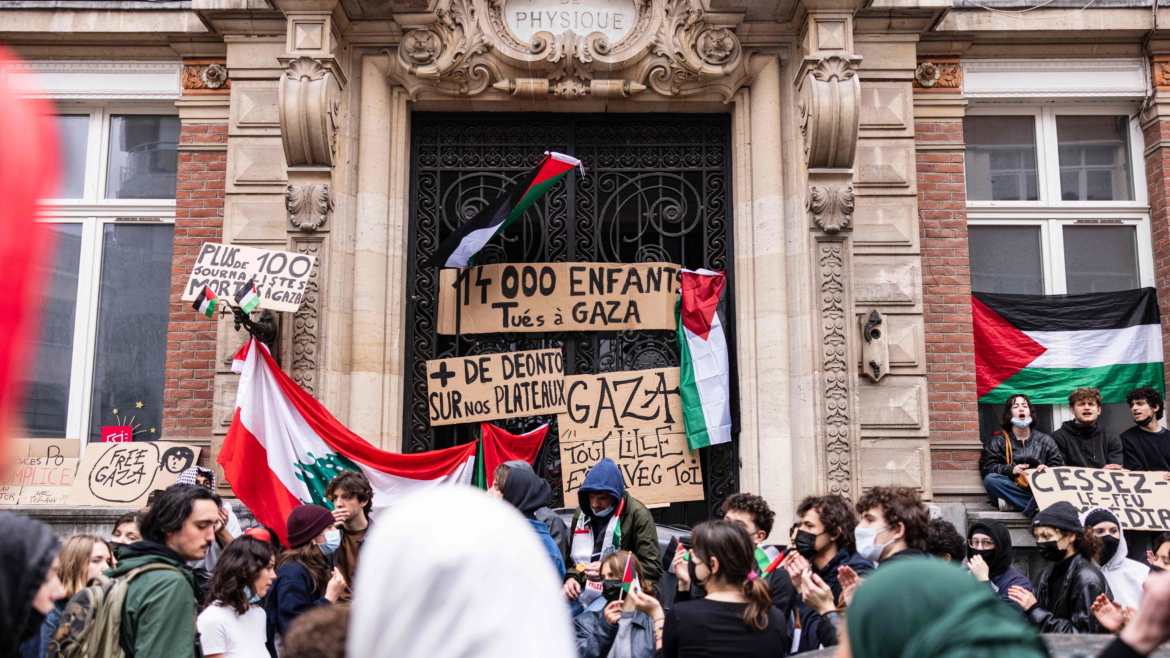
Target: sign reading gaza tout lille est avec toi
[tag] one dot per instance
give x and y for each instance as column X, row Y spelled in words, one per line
column 1141, row 499
column 280, row 276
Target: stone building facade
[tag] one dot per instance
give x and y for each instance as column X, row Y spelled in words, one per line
column 858, row 224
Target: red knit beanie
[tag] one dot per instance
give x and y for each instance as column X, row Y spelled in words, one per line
column 306, row 522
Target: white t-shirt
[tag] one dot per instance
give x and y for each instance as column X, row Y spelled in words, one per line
column 221, row 630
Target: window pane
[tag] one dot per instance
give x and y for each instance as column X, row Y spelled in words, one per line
column 46, row 402
column 1094, row 158
column 73, row 135
column 1001, row 158
column 144, row 157
column 1100, row 258
column 130, row 361
column 1115, row 417
column 1006, row 259
column 991, row 419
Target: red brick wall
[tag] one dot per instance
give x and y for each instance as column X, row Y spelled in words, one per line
column 946, row 290
column 190, row 375
column 1157, row 171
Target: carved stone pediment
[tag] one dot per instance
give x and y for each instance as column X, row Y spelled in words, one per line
column 469, row 49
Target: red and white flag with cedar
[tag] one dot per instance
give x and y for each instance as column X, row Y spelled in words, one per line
column 704, row 365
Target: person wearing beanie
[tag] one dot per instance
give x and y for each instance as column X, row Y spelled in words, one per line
column 304, row 576
column 1125, row 576
column 1065, row 592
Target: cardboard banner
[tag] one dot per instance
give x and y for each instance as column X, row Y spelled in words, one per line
column 634, row 418
column 280, row 276
column 41, row 472
column 557, row 297
column 1141, row 499
column 470, row 389
column 124, row 474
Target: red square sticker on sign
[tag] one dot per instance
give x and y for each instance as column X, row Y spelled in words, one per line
column 117, row 433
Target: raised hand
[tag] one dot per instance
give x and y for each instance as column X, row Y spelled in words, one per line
column 1108, row 613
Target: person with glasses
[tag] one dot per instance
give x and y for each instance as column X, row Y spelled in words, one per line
column 989, row 558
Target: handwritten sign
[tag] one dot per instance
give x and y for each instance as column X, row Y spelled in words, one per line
column 124, row 474
column 1141, row 499
column 40, row 472
column 470, row 389
column 635, row 419
column 558, row 297
column 280, row 276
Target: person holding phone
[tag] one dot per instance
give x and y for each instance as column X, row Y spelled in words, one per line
column 1011, row 451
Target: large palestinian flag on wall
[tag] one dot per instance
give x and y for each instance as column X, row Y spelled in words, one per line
column 1048, row 345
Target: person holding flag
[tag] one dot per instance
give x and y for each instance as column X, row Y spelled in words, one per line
column 618, row 630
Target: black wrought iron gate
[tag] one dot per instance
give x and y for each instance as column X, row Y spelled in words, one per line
column 656, row 188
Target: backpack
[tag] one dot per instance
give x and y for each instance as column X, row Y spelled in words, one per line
column 91, row 624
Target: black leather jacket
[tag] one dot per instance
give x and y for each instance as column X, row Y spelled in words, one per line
column 1038, row 449
column 1066, row 607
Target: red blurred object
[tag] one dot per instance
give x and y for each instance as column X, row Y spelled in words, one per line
column 28, row 172
column 117, row 433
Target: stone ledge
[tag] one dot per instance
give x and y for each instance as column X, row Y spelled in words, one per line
column 69, row 520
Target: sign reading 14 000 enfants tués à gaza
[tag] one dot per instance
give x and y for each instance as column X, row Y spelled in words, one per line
column 280, row 276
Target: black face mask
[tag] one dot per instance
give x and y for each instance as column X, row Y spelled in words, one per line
column 1050, row 551
column 1111, row 546
column 611, row 590
column 805, row 544
column 694, row 578
column 987, row 554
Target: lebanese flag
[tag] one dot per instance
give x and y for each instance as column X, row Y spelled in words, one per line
column 704, row 373
column 1049, row 345
column 283, row 447
column 460, row 247
column 497, row 446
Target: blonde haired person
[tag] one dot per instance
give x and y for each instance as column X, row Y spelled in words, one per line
column 83, row 558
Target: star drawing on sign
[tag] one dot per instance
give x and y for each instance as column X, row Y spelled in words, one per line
column 115, row 411
column 152, row 430
column 138, row 405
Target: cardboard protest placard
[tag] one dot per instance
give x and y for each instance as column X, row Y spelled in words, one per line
column 634, row 418
column 1141, row 499
column 558, row 297
column 280, row 276
column 470, row 389
column 124, row 474
column 40, row 472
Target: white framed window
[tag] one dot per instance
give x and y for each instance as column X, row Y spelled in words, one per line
column 100, row 356
column 1056, row 204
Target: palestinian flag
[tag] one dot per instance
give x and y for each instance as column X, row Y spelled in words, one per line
column 283, row 447
column 1049, row 345
column 206, row 302
column 497, row 446
column 248, row 297
column 460, row 247
column 630, row 577
column 704, row 374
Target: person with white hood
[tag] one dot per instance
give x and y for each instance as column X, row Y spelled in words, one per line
column 1125, row 576
column 412, row 601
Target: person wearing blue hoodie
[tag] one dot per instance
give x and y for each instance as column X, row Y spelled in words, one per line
column 607, row 520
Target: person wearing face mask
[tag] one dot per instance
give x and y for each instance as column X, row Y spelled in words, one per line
column 989, row 559
column 608, row 519
column 1125, row 576
column 304, row 578
column 1083, row 441
column 894, row 524
column 1016, row 447
column 1066, row 590
column 617, row 630
column 234, row 625
column 29, row 582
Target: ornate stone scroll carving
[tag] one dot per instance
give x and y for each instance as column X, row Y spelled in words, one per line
column 835, row 387
column 469, row 49
column 308, row 206
column 831, row 207
column 310, row 99
column 306, row 327
column 830, row 117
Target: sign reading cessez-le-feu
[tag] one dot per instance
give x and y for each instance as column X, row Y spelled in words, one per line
column 280, row 276
column 1140, row 498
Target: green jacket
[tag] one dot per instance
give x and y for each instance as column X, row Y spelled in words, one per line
column 639, row 536
column 159, row 617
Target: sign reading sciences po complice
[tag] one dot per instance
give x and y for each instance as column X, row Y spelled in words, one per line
column 1141, row 499
column 280, row 276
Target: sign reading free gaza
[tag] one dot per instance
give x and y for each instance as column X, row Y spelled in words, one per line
column 1141, row 499
column 280, row 276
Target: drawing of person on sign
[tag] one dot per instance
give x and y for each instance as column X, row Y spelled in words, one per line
column 176, row 460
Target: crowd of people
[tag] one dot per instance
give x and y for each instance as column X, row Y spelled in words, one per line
column 452, row 572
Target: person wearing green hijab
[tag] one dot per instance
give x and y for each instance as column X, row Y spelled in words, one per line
column 925, row 608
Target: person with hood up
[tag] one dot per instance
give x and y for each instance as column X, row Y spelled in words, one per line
column 989, row 559
column 528, row 493
column 608, row 520
column 29, row 584
column 931, row 609
column 1125, row 576
column 408, row 603
column 1066, row 590
column 556, row 526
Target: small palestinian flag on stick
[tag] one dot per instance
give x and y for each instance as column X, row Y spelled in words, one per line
column 460, row 248
column 248, row 297
column 630, row 578
column 206, row 302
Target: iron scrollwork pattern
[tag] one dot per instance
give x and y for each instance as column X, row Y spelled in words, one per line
column 657, row 189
